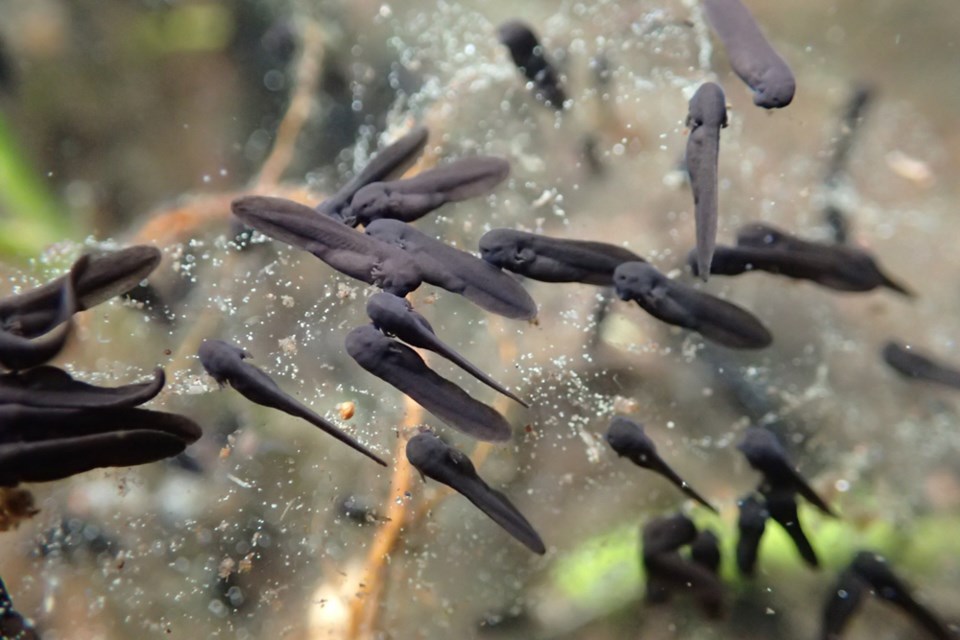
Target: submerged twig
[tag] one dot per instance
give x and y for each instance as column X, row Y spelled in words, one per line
column 298, row 112
column 365, row 607
column 183, row 220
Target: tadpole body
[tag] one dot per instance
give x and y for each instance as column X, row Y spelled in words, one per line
column 390, row 162
column 457, row 271
column 553, row 259
column 627, row 438
column 911, row 363
column 750, row 54
column 396, row 316
column 683, row 306
column 529, row 56
column 843, row 601
column 400, row 366
column 348, row 251
column 441, row 462
column 705, row 551
column 707, row 115
column 409, row 199
column 225, row 363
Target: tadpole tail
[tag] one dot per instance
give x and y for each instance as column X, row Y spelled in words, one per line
column 923, row 616
column 890, row 283
column 501, row 295
column 678, row 574
column 438, row 346
column 751, row 524
column 64, row 457
column 811, row 496
column 784, row 511
column 60, row 390
column 706, row 207
column 499, row 508
column 391, row 161
column 661, row 467
column 19, row 352
column 465, row 178
column 298, row 410
column 844, row 601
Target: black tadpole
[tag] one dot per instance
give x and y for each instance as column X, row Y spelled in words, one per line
column 390, row 162
column 348, row 251
column 750, row 55
column 102, row 277
column 40, row 444
column 225, row 363
column 401, row 366
column 441, row 462
column 668, row 572
column 396, row 316
column 871, row 573
column 54, row 388
column 530, row 58
column 707, row 115
column 751, row 525
column 683, row 306
column 912, row 363
column 456, row 271
column 628, row 438
column 410, row 199
column 554, row 259
column 765, row 454
column 840, row 267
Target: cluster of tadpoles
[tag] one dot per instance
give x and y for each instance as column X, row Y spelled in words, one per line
column 52, row 426
column 394, row 256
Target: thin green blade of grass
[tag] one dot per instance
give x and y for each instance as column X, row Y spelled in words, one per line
column 30, row 216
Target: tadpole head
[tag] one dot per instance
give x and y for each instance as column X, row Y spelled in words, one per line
column 367, row 345
column 519, row 39
column 708, row 106
column 363, row 204
column 775, row 93
column 633, row 279
column 502, row 248
column 623, row 434
column 761, row 447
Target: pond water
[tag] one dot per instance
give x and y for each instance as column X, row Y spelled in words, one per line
column 128, row 123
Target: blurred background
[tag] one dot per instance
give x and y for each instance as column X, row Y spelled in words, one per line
column 124, row 122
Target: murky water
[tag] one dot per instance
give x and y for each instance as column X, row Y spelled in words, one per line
column 129, row 112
